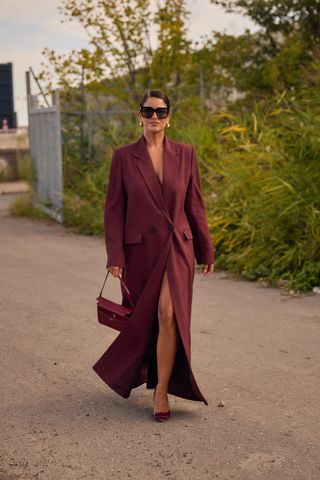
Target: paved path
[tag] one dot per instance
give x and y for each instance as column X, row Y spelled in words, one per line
column 253, row 348
column 14, row 187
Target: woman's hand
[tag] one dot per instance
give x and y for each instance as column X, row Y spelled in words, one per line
column 116, row 271
column 207, row 269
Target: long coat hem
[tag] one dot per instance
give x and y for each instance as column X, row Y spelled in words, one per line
column 125, row 393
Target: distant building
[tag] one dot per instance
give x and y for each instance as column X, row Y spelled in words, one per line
column 14, row 147
column 14, row 142
column 8, row 118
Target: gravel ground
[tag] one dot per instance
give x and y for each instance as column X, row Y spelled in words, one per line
column 253, row 349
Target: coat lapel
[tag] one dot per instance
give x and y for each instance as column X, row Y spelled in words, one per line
column 145, row 166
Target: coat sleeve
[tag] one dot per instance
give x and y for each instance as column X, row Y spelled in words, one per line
column 114, row 214
column 195, row 211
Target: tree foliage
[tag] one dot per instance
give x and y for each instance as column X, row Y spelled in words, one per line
column 279, row 17
column 118, row 32
column 172, row 54
column 120, row 54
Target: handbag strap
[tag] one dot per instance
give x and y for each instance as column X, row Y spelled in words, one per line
column 123, row 287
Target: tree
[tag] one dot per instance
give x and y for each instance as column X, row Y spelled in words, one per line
column 276, row 17
column 119, row 44
column 119, row 57
column 173, row 50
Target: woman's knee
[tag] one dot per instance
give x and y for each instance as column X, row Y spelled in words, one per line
column 166, row 318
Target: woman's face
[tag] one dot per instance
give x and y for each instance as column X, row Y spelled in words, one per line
column 154, row 124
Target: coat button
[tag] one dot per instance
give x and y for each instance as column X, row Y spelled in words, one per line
column 170, row 227
column 152, row 229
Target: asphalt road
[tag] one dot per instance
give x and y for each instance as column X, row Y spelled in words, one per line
column 253, row 349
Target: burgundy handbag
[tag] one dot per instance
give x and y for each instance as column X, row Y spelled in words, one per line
column 112, row 314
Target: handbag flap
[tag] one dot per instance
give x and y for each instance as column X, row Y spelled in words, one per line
column 109, row 305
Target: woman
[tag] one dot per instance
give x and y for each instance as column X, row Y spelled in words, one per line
column 155, row 226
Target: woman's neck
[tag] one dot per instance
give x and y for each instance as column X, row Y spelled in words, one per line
column 154, row 139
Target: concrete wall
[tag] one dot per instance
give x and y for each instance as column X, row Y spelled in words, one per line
column 14, row 145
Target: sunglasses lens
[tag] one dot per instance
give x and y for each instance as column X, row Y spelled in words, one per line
column 162, row 112
column 147, row 112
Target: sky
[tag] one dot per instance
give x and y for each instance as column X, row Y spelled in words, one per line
column 28, row 26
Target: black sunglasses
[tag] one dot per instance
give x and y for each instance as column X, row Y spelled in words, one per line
column 161, row 112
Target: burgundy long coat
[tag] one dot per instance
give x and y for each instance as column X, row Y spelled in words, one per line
column 151, row 227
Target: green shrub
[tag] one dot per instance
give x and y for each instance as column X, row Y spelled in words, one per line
column 308, row 277
column 84, row 201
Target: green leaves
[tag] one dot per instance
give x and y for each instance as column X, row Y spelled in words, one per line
column 279, row 17
column 173, row 53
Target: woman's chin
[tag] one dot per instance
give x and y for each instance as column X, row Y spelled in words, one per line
column 154, row 128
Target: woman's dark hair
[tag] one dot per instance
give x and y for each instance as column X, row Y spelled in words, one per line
column 157, row 94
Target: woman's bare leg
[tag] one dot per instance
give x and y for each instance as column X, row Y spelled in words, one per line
column 166, row 345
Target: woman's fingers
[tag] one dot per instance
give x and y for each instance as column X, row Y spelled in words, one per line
column 116, row 271
column 204, row 269
column 207, row 269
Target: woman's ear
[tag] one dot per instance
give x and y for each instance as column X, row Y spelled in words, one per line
column 139, row 116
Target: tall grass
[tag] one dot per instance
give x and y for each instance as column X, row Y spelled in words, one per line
column 265, row 218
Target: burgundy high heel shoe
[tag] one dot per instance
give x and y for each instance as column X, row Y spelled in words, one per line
column 160, row 416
